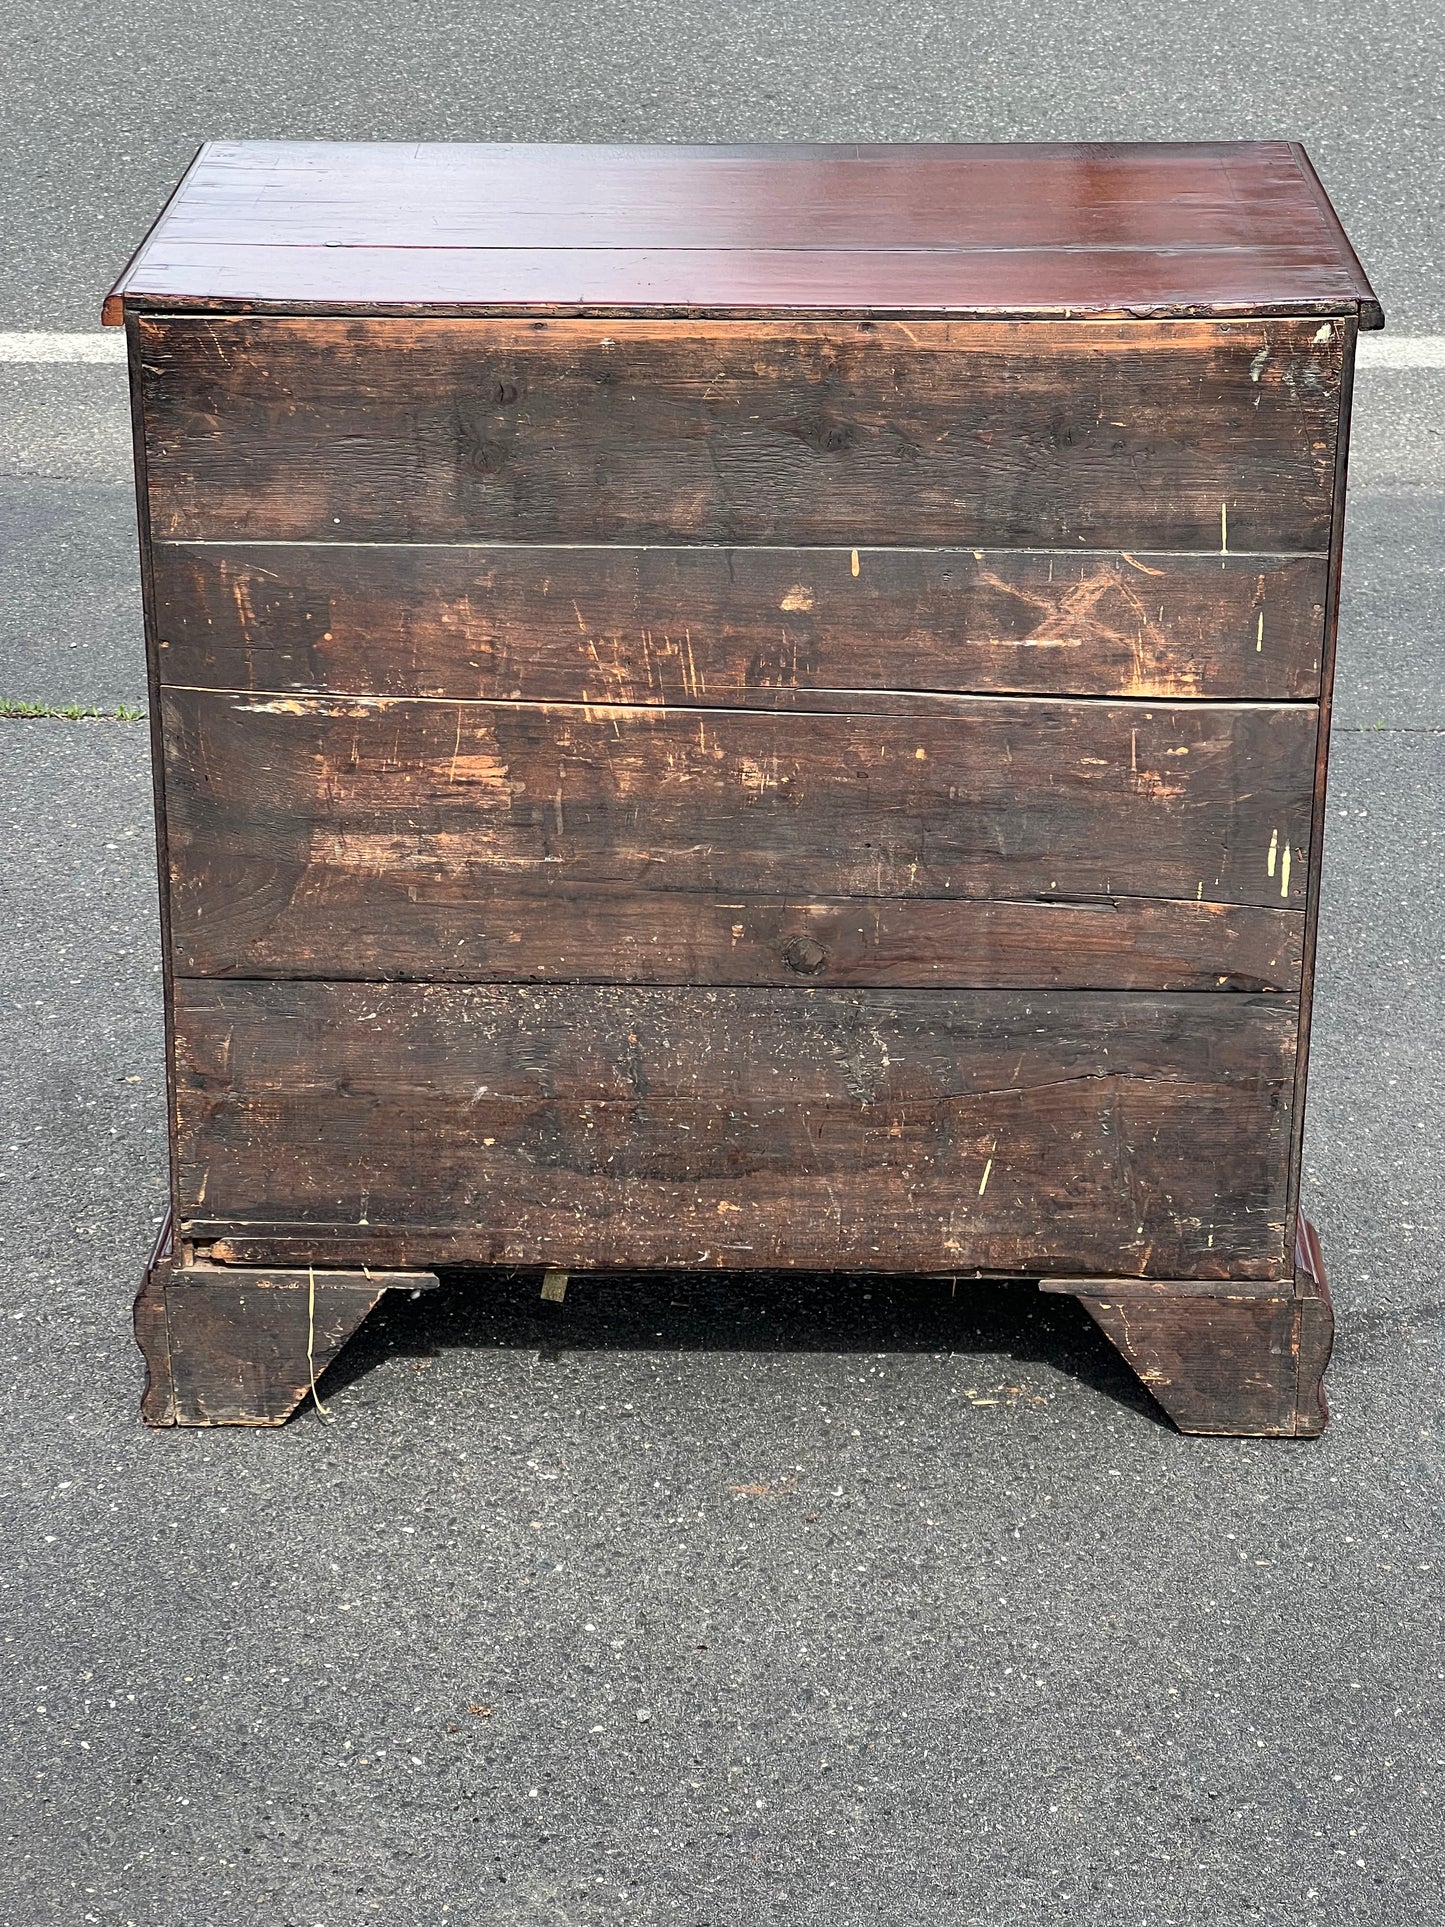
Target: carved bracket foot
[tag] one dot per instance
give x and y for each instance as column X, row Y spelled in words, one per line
column 244, row 1345
column 1240, row 1366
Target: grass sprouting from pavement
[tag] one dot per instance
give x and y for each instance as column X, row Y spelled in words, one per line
column 69, row 712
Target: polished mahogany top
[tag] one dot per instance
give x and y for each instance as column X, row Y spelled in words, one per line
column 1166, row 229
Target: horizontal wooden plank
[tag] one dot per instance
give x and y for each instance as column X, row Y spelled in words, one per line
column 1158, row 435
column 1094, row 228
column 386, row 837
column 883, row 1130
column 760, row 627
column 501, row 930
column 558, row 196
column 1039, row 283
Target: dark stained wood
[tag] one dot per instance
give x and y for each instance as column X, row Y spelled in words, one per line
column 1321, row 779
column 754, row 627
column 244, row 1346
column 370, row 837
column 1197, row 436
column 526, row 933
column 1060, row 1286
column 157, row 743
column 1217, row 1365
column 1084, row 229
column 740, row 707
column 1231, row 1365
column 578, row 1126
column 148, row 1322
column 1315, row 1338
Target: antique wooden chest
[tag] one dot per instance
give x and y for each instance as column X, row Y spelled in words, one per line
column 741, row 707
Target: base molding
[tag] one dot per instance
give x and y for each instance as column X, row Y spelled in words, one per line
column 229, row 1344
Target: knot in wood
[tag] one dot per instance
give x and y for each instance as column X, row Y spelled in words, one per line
column 804, row 955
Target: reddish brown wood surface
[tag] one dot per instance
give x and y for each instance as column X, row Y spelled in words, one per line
column 1198, row 436
column 886, row 1130
column 1026, row 284
column 1089, row 229
column 753, row 627
column 374, row 837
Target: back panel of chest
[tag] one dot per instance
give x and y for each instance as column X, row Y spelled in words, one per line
column 815, row 789
column 796, row 733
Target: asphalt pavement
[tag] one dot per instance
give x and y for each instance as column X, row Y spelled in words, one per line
column 720, row 1601
column 107, row 108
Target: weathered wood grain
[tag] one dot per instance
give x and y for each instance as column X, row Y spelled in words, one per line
column 245, row 1345
column 754, row 627
column 1229, row 1365
column 581, row 1126
column 1314, row 1338
column 347, row 836
column 148, row 1315
column 503, row 931
column 1321, row 779
column 1218, row 1365
column 742, row 668
column 1167, row 435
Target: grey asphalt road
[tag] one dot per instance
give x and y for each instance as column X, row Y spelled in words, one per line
column 106, row 108
column 827, row 1603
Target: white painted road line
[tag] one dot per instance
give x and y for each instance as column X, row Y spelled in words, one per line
column 1376, row 350
column 103, row 345
column 1401, row 351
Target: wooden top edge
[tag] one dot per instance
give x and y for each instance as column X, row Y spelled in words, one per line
column 207, row 308
column 118, row 305
column 1018, row 229
column 112, row 309
column 1372, row 313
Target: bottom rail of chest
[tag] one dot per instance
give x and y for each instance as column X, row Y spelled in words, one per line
column 247, row 1344
column 594, row 1127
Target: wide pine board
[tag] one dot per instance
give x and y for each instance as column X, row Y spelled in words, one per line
column 738, row 627
column 984, row 840
column 1166, row 435
column 891, row 1130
